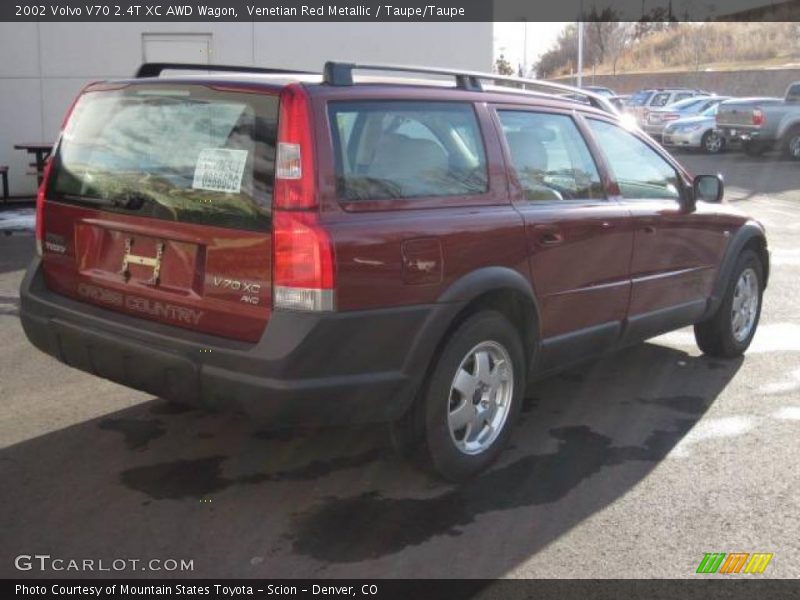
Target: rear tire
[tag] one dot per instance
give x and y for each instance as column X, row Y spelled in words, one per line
column 465, row 412
column 729, row 331
column 791, row 144
column 712, row 142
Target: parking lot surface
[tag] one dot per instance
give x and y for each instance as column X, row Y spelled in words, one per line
column 633, row 466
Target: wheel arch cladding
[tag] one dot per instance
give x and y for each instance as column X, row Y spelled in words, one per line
column 501, row 289
column 750, row 236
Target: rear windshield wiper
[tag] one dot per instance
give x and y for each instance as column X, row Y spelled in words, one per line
column 128, row 200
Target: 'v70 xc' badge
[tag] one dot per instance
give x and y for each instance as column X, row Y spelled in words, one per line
column 146, row 261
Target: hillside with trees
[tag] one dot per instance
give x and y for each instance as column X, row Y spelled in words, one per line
column 613, row 47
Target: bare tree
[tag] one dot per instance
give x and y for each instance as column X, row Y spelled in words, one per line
column 618, row 42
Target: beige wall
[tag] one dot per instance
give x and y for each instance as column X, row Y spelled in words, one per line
column 45, row 64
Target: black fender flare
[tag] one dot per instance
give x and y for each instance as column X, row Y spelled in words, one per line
column 450, row 304
column 488, row 279
column 748, row 232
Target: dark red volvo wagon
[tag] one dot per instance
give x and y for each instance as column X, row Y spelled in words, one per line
column 317, row 248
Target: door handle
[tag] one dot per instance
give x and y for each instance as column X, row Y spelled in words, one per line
column 551, row 238
column 649, row 229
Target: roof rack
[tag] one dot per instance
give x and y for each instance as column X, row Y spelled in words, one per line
column 155, row 69
column 341, row 74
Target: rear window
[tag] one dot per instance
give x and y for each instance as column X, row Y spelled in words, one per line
column 639, row 98
column 688, row 104
column 660, row 99
column 176, row 152
column 407, row 150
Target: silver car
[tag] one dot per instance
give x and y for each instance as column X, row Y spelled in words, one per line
column 657, row 119
column 695, row 132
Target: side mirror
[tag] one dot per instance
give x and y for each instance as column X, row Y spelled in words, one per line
column 708, row 188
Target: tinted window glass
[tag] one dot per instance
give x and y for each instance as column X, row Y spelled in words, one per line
column 407, row 150
column 682, row 96
column 640, row 172
column 175, row 152
column 660, row 99
column 639, row 98
column 550, row 157
column 689, row 104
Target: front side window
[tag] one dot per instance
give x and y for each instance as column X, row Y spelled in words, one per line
column 550, row 157
column 177, row 152
column 640, row 172
column 407, row 150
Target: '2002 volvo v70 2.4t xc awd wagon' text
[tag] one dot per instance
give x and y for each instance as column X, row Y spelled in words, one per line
column 321, row 248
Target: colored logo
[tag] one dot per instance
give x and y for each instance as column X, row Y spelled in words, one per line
column 735, row 562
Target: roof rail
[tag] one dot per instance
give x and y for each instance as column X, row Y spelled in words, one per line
column 341, row 74
column 155, row 69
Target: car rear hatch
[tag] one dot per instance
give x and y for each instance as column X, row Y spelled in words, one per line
column 158, row 204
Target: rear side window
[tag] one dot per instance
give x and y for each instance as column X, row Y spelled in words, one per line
column 407, row 150
column 682, row 96
column 550, row 157
column 177, row 152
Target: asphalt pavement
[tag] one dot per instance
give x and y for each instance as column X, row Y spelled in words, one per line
column 633, row 466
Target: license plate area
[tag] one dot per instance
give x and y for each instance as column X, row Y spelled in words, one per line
column 138, row 260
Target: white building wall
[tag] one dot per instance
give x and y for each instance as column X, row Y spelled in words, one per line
column 44, row 65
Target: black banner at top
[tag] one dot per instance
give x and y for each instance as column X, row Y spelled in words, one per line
column 397, row 10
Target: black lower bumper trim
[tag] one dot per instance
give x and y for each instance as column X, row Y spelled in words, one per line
column 350, row 367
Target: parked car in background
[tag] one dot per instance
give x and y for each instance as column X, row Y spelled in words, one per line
column 762, row 124
column 643, row 101
column 600, row 90
column 620, row 101
column 658, row 118
column 696, row 132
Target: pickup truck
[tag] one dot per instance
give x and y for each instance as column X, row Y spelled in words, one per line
column 761, row 124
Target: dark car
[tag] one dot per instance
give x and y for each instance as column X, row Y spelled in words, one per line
column 327, row 249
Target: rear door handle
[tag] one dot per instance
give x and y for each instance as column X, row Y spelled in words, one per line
column 551, row 238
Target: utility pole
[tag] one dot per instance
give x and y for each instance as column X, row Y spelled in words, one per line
column 580, row 53
column 525, row 48
column 580, row 46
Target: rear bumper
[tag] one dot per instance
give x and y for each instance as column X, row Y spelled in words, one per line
column 740, row 135
column 653, row 130
column 308, row 368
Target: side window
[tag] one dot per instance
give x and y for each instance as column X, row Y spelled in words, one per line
column 660, row 99
column 550, row 157
column 407, row 150
column 640, row 172
column 682, row 96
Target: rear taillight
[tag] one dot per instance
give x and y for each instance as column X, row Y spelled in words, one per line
column 758, row 117
column 670, row 116
column 42, row 192
column 303, row 264
column 294, row 163
column 303, row 268
column 40, row 196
